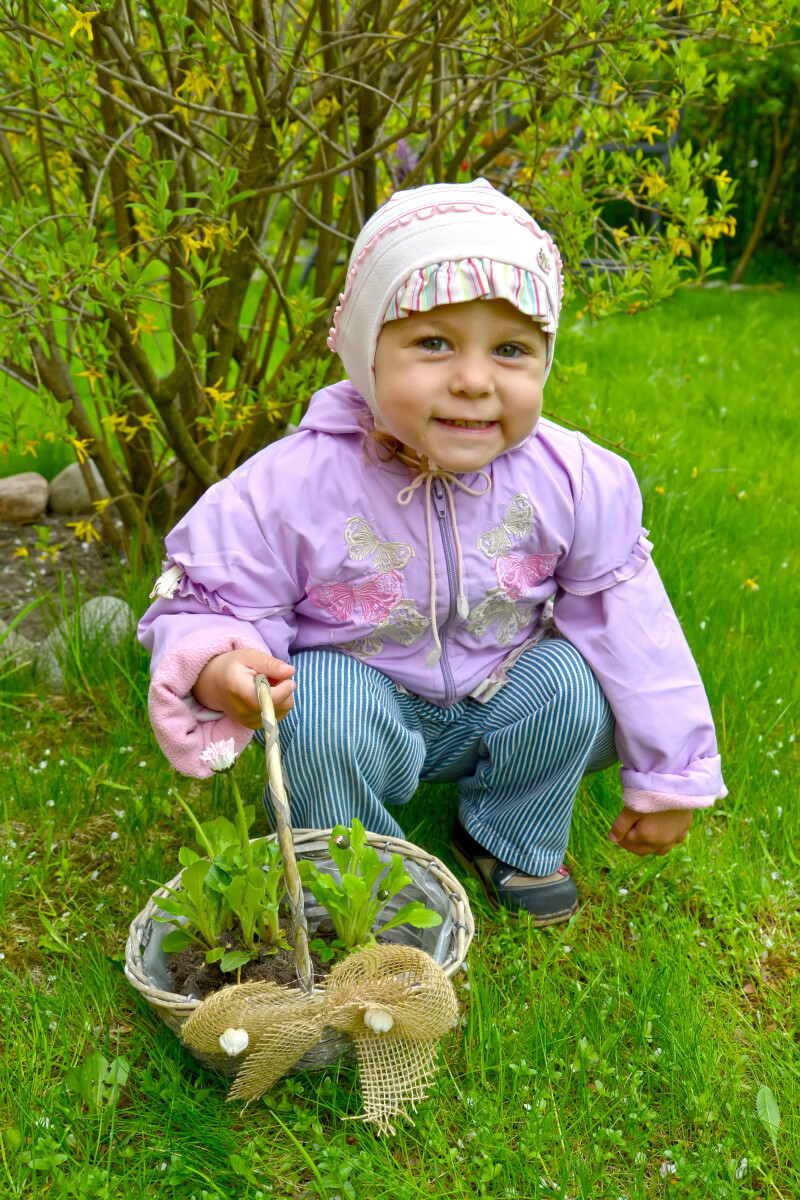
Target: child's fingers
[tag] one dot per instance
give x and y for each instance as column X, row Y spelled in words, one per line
column 261, row 663
column 244, row 701
column 283, row 697
column 644, row 846
column 624, row 822
column 637, row 838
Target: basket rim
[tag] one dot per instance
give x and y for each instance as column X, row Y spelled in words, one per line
column 181, row 1007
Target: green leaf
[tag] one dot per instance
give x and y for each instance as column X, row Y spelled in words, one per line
column 98, row 1081
column 414, row 913
column 358, row 837
column 11, row 1138
column 186, row 856
column 326, row 950
column 234, row 892
column 218, row 878
column 342, row 857
column 176, row 941
column 55, row 941
column 192, row 880
column 332, row 899
column 245, row 195
column 307, row 871
column 768, row 1113
column 234, row 959
column 176, row 907
column 215, row 955
column 356, row 889
column 398, row 877
column 117, row 1073
column 256, row 879
column 221, row 834
column 239, row 1166
column 264, row 851
column 371, row 866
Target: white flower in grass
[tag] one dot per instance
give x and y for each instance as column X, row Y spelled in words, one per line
column 220, row 756
column 234, row 1041
column 741, row 1170
column 378, row 1020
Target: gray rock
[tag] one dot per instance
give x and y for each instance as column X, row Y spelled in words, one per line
column 23, row 498
column 105, row 622
column 69, row 493
column 15, row 645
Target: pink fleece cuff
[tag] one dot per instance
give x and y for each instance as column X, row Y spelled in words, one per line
column 651, row 802
column 179, row 731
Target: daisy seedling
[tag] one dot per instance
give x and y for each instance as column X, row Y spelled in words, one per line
column 236, row 881
column 354, row 904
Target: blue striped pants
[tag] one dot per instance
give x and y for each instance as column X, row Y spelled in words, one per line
column 353, row 743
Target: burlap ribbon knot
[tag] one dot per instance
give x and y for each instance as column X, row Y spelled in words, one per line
column 396, row 1067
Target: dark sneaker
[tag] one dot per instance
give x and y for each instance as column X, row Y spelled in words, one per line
column 548, row 898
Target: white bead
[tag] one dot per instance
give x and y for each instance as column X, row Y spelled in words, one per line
column 234, row 1041
column 378, row 1020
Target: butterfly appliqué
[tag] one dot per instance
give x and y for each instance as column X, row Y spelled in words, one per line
column 505, row 610
column 367, row 647
column 518, row 522
column 404, row 625
column 517, row 575
column 376, row 598
column 388, row 556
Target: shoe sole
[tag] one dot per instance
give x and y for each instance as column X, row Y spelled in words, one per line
column 491, row 895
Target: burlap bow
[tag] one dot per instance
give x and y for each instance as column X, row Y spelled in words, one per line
column 370, row 990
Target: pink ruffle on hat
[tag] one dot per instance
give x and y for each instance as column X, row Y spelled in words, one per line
column 442, row 244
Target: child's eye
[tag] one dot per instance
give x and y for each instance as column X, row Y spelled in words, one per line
column 434, row 344
column 509, row 350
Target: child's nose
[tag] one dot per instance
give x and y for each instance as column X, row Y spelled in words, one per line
column 472, row 375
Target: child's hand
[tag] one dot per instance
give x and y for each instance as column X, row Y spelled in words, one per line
column 651, row 833
column 227, row 684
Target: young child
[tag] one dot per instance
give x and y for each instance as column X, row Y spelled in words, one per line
column 392, row 565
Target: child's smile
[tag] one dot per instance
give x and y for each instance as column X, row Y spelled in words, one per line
column 461, row 383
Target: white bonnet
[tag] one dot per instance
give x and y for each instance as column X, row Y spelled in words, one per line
column 442, row 223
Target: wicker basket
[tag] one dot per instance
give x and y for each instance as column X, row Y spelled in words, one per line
column 147, row 965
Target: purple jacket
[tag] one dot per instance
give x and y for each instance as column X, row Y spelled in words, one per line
column 307, row 545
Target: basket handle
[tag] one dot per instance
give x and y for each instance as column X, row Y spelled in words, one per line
column 280, row 802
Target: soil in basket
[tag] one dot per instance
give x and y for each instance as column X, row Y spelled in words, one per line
column 193, row 976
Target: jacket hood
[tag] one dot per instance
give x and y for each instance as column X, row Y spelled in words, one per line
column 338, row 408
column 435, row 224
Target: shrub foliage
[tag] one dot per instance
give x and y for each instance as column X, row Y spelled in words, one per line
column 184, row 178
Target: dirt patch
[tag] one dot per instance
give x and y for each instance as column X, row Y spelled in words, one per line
column 193, row 976
column 26, row 577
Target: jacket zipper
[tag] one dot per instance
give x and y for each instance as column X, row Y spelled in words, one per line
column 452, row 583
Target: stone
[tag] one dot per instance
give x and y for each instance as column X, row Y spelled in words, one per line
column 105, row 622
column 15, row 645
column 69, row 493
column 23, row 498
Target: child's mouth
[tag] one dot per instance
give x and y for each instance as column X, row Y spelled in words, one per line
column 466, row 424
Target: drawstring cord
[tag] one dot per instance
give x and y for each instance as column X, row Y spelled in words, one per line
column 426, row 473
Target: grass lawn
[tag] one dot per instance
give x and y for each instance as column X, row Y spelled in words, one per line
column 618, row 1056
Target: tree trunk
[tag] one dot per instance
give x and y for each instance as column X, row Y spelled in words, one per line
column 781, row 145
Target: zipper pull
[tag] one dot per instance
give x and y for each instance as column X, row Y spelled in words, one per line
column 438, row 498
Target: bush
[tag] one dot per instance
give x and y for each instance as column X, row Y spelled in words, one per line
column 755, row 129
column 185, row 178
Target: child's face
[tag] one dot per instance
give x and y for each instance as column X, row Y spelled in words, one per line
column 461, row 383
